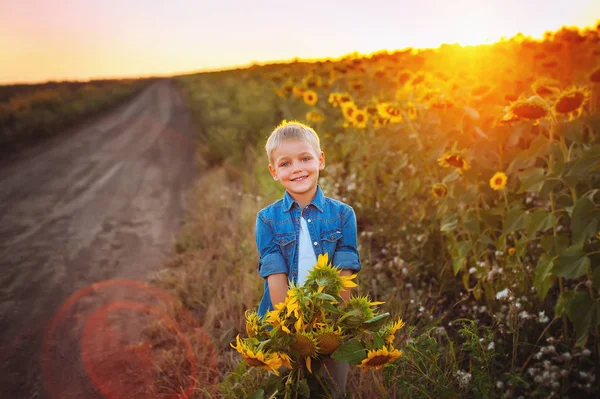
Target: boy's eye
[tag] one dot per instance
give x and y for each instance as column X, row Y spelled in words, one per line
column 306, row 159
column 284, row 164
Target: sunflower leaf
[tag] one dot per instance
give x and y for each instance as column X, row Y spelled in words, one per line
column 351, row 352
column 262, row 345
column 376, row 321
column 326, row 297
column 259, row 394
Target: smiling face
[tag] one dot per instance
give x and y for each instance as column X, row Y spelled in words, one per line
column 296, row 165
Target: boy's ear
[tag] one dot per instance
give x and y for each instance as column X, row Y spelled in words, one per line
column 322, row 161
column 273, row 172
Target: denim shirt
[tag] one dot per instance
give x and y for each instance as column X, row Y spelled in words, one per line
column 332, row 228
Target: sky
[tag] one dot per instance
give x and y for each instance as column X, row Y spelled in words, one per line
column 80, row 40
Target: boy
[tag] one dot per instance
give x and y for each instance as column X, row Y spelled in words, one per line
column 293, row 231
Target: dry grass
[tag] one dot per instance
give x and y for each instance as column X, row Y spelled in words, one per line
column 214, row 275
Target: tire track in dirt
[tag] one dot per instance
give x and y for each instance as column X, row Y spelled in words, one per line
column 101, row 203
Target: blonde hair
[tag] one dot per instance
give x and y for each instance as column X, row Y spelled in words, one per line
column 292, row 131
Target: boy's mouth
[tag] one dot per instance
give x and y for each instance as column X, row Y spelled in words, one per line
column 299, row 178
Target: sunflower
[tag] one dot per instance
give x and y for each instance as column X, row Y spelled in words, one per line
column 312, row 81
column 532, row 108
column 348, row 109
column 545, row 87
column 498, row 181
column 328, row 339
column 298, row 91
column 360, row 118
column 253, row 328
column 307, row 347
column 310, row 97
column 270, row 361
column 371, row 109
column 314, row 116
column 275, row 318
column 571, row 101
column 454, row 159
column 439, row 190
column 403, row 77
column 357, row 85
column 390, row 330
column 390, row 111
column 419, row 78
column 326, row 278
column 357, row 310
column 380, row 121
column 377, row 358
column 333, row 99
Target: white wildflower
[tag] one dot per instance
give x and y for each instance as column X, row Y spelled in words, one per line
column 502, row 294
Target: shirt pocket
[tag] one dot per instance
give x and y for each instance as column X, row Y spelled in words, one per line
column 286, row 243
column 329, row 242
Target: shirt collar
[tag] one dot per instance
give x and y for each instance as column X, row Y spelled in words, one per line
column 318, row 200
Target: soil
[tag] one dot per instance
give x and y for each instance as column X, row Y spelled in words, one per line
column 101, row 202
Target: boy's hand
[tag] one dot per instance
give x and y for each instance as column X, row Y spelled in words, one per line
column 278, row 287
column 345, row 292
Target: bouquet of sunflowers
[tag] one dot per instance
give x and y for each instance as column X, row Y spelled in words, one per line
column 313, row 324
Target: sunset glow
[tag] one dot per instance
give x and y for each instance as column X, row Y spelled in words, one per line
column 41, row 40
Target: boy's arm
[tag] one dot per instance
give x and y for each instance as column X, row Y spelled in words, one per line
column 346, row 251
column 278, row 287
column 271, row 264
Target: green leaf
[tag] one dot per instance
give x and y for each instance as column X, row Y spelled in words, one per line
column 555, row 244
column 378, row 341
column 583, row 313
column 572, row 262
column 584, row 165
column 543, row 279
column 539, row 221
column 326, row 297
column 449, row 223
column 461, row 249
column 451, row 177
column 473, row 226
column 351, row 352
column 376, row 321
column 531, row 180
column 260, row 394
column 563, row 302
column 521, row 161
column 538, row 147
column 547, row 187
column 303, row 389
column 516, row 219
column 585, row 220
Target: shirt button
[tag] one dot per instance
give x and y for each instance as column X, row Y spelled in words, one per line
column 316, row 243
column 308, row 220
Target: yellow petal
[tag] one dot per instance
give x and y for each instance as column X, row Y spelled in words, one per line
column 308, row 365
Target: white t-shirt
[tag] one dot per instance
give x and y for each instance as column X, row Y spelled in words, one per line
column 306, row 254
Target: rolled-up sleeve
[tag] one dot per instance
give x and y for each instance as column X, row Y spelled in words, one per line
column 270, row 258
column 346, row 252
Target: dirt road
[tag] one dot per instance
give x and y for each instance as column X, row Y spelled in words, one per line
column 98, row 203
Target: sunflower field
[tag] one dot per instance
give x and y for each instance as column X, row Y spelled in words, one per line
column 475, row 176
